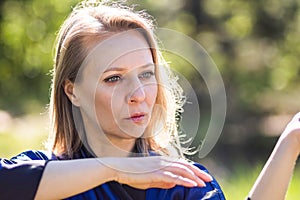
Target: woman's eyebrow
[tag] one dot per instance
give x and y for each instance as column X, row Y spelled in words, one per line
column 125, row 69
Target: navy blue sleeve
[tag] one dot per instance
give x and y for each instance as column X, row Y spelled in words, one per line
column 20, row 176
column 211, row 191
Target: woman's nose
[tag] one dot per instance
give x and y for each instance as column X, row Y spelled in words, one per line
column 137, row 95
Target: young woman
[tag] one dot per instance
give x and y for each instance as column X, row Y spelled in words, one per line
column 113, row 110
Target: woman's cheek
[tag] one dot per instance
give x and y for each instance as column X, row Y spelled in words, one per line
column 152, row 93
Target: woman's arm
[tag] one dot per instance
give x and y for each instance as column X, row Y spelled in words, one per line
column 62, row 179
column 274, row 179
column 68, row 178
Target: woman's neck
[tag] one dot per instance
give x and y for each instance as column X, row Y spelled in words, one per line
column 108, row 145
column 111, row 147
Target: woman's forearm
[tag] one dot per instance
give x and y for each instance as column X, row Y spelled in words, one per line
column 62, row 179
column 275, row 177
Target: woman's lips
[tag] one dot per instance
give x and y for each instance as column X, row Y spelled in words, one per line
column 138, row 118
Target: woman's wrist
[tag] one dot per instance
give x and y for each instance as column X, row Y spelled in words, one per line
column 110, row 165
column 289, row 144
column 291, row 135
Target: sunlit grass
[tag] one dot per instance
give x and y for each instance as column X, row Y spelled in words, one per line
column 11, row 144
column 24, row 133
column 294, row 189
column 238, row 185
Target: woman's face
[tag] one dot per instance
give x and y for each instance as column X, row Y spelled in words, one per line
column 118, row 88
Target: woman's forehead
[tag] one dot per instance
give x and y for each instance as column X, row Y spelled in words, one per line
column 133, row 59
column 121, row 47
column 125, row 49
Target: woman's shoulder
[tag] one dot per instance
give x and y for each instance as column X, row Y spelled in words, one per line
column 34, row 155
column 212, row 190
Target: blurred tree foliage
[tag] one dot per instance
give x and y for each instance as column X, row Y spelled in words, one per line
column 255, row 44
column 27, row 34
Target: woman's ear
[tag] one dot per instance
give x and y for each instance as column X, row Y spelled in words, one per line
column 70, row 92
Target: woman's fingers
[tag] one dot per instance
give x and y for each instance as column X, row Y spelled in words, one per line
column 178, row 180
column 166, row 179
column 186, row 172
column 198, row 172
column 182, row 173
column 192, row 169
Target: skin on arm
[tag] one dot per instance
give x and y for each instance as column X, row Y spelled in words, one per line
column 275, row 177
column 71, row 177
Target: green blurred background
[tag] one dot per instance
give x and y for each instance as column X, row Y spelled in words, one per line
column 255, row 44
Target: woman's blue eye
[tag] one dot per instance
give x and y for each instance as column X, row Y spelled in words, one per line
column 112, row 79
column 147, row 74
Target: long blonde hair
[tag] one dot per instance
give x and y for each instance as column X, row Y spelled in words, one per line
column 94, row 21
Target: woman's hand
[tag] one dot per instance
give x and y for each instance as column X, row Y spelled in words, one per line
column 157, row 172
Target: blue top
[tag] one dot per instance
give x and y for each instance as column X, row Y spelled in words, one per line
column 20, row 181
